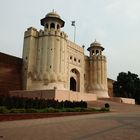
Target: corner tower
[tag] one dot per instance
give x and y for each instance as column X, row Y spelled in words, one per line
column 53, row 65
column 98, row 71
column 45, row 55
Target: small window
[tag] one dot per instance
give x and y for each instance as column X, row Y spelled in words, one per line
column 26, row 57
column 79, row 60
column 70, row 57
column 52, row 25
column 50, row 66
column 75, row 59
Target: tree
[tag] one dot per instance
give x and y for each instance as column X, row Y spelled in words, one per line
column 127, row 85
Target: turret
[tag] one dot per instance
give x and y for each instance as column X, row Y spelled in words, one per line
column 52, row 21
column 53, row 52
column 98, row 70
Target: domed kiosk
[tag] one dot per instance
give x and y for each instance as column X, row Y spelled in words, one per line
column 52, row 20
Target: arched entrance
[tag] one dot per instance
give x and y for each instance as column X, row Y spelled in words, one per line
column 74, row 80
column 72, row 84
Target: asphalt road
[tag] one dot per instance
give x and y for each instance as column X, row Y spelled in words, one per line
column 108, row 126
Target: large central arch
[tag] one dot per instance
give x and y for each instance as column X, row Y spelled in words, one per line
column 72, row 84
column 74, row 80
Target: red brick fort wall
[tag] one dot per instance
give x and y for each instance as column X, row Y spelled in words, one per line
column 10, row 73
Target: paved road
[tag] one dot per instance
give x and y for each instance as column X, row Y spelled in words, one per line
column 109, row 126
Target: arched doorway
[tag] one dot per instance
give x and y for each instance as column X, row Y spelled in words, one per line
column 72, row 84
column 74, row 80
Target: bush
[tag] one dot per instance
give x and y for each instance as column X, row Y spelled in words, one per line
column 91, row 109
column 70, row 110
column 78, row 109
column 107, row 105
column 26, row 103
column 31, row 110
column 3, row 109
column 104, row 109
column 49, row 110
column 14, row 110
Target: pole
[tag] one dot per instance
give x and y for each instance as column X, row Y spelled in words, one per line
column 74, row 33
column 73, row 24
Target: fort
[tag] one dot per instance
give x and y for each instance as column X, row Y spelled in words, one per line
column 52, row 66
column 51, row 61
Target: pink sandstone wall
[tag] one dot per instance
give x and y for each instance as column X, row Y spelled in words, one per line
column 74, row 96
column 55, row 94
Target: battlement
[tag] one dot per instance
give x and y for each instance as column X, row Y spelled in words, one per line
column 53, row 32
column 75, row 46
column 98, row 57
column 31, row 32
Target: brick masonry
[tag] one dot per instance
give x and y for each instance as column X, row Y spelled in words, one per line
column 10, row 73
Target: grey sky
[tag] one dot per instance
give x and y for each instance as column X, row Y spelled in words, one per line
column 114, row 23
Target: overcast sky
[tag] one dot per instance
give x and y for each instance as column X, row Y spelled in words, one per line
column 114, row 23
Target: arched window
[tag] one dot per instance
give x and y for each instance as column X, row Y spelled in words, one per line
column 46, row 25
column 52, row 25
column 58, row 26
column 72, row 84
column 75, row 80
column 93, row 52
column 97, row 52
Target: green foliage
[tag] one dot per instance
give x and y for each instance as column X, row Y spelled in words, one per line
column 104, row 109
column 32, row 110
column 3, row 109
column 127, row 86
column 14, row 110
column 49, row 110
column 52, row 110
column 26, row 103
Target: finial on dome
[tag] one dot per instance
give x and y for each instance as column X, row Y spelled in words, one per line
column 53, row 11
column 95, row 41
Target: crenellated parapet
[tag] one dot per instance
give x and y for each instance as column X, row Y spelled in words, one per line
column 31, row 32
column 99, row 57
column 75, row 46
column 53, row 32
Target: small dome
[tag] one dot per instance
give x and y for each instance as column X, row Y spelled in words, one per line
column 52, row 14
column 95, row 43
